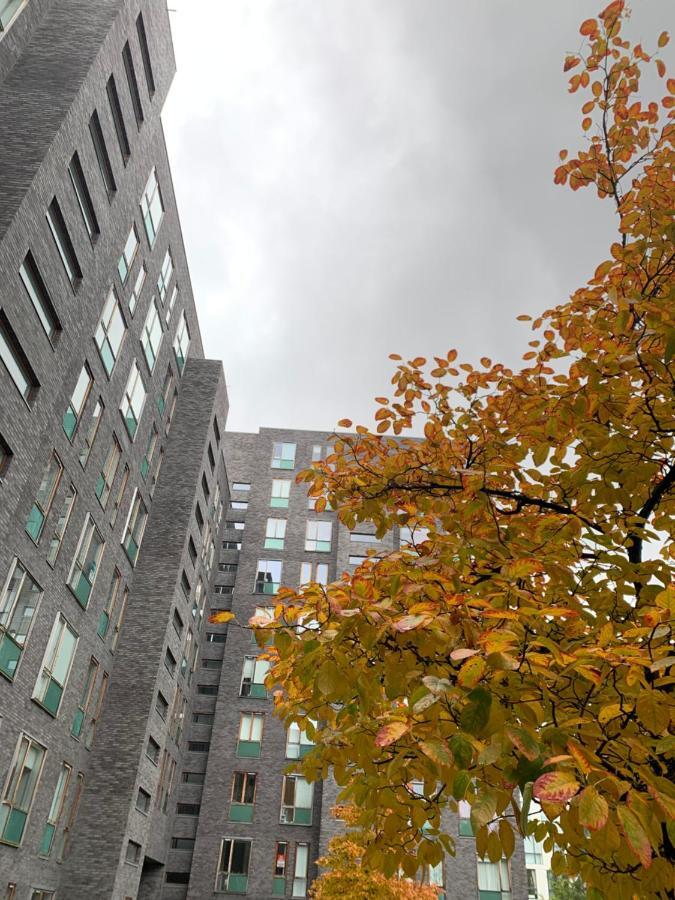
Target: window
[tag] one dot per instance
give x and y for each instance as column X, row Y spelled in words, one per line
column 177, row 878
column 192, row 777
column 163, row 398
column 133, row 533
column 227, row 567
column 128, row 256
column 20, row 787
column 207, row 690
column 16, row 362
column 205, row 488
column 86, row 700
column 309, row 572
column 39, row 296
column 151, row 336
column 232, row 874
column 268, row 576
column 300, row 871
column 281, row 491
column 5, row 456
column 56, row 664
column 62, row 842
column 120, row 620
column 250, row 735
column 178, row 624
column 61, row 524
column 161, row 705
column 149, row 451
column 56, row 810
column 51, row 477
column 130, row 72
column 106, row 477
column 413, row 536
column 102, row 691
column 243, row 797
column 182, row 843
column 145, row 54
column 280, row 865
column 120, row 495
column 86, row 562
column 155, row 474
column 164, row 278
column 464, row 815
column 253, row 677
column 18, row 606
column 167, row 776
column 71, row 417
column 172, row 410
column 494, row 881
column 192, row 551
column 275, row 534
column 198, row 746
column 8, row 10
column 133, row 854
column 198, row 603
column 318, row 536
column 170, row 305
column 110, row 604
column 188, row 809
column 170, row 662
column 118, row 119
column 59, row 230
column 83, row 197
column 283, row 456
column 223, row 589
column 238, row 526
column 363, row 537
column 317, row 452
column 212, row 663
column 298, row 744
column 133, row 400
column 138, row 287
column 357, row 560
column 152, row 751
column 143, row 801
column 296, row 801
column 216, row 430
column 242, row 486
column 216, row 637
column 152, row 208
column 181, row 342
column 102, row 157
column 231, row 545
column 92, row 431
column 110, row 332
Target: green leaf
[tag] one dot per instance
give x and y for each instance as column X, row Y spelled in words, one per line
column 476, row 714
column 462, row 750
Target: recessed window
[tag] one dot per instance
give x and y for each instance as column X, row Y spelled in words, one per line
column 135, row 527
column 39, row 297
column 151, row 336
column 201, row 718
column 193, row 777
column 143, row 800
column 243, row 796
column 205, row 488
column 177, row 878
column 78, row 399
column 268, row 576
column 317, row 452
column 56, row 664
column 118, row 119
column 133, row 400
column 281, row 491
column 161, row 705
column 363, row 537
column 170, row 662
column 178, row 623
column 57, row 226
column 188, row 809
column 145, row 54
column 49, row 484
column 296, row 802
column 133, row 854
column 275, row 534
column 238, row 504
column 165, row 274
column 135, row 295
column 20, row 788
column 5, row 456
column 253, row 677
column 250, row 735
column 130, row 72
column 181, row 342
column 231, row 545
column 102, row 155
column 110, row 604
column 152, row 208
column 185, row 585
column 357, row 560
column 318, row 536
column 212, row 664
column 241, row 486
column 283, row 456
column 280, row 866
column 238, row 526
column 233, row 863
column 92, row 431
column 207, row 690
column 182, row 843
column 16, row 362
column 227, row 567
column 216, row 430
column 298, row 744
column 128, row 256
column 110, row 331
column 106, row 477
column 83, row 196
column 152, row 751
column 223, row 589
column 150, row 449
column 67, row 506
column 163, row 398
column 86, row 563
column 198, row 746
column 19, row 603
column 170, row 305
column 56, row 811
column 300, row 870
column 86, row 699
column 311, row 573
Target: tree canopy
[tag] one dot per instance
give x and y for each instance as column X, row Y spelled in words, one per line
column 519, row 646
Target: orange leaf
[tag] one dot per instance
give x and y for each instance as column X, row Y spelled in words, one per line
column 570, row 63
column 664, row 37
column 555, row 787
column 390, row 733
column 587, row 122
column 661, row 68
column 345, row 423
column 471, row 672
column 670, row 84
column 589, row 27
column 563, row 154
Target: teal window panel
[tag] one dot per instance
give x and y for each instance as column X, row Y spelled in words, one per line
column 131, row 549
column 103, row 622
column 78, row 722
column 241, row 812
column 323, row 546
column 10, row 654
column 161, row 405
column 47, row 839
column 69, row 423
column 14, row 826
column 279, row 502
column 100, row 485
column 305, row 749
column 237, row 884
column 52, row 698
column 131, row 423
column 274, row 543
column 302, row 816
column 259, row 691
column 35, row 522
column 145, row 468
column 465, row 828
column 248, row 749
column 82, row 590
column 278, row 886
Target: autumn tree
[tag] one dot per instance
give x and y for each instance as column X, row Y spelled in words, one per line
column 519, row 646
column 566, row 889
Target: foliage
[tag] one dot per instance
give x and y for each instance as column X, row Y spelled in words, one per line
column 567, row 889
column 519, row 648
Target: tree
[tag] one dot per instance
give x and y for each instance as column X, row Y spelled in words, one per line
column 567, row 889
column 519, row 646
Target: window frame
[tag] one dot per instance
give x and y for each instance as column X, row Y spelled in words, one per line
column 8, row 610
column 77, row 569
column 14, row 787
column 52, row 661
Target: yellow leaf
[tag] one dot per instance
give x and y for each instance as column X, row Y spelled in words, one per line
column 593, row 809
column 390, row 733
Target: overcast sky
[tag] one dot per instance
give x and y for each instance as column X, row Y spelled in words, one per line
column 361, row 177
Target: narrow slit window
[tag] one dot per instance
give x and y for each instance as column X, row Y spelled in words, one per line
column 102, row 157
column 49, row 484
column 83, row 196
column 16, row 362
column 61, row 524
column 118, row 119
column 64, row 245
column 110, row 332
column 130, row 72
column 128, row 256
column 145, row 55
column 78, row 400
column 39, row 297
column 152, row 208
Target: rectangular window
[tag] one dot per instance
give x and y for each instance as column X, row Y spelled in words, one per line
column 181, row 342
column 317, row 452
column 133, row 400
column 253, row 677
column 198, row 746
column 155, row 474
column 216, row 637
column 120, row 620
column 163, row 398
column 170, row 662
column 16, row 362
column 283, row 456
column 39, row 297
column 61, row 524
column 83, row 196
column 192, row 777
column 494, row 881
column 56, row 664
column 110, row 331
column 167, row 776
column 182, row 843
column 170, row 305
column 318, row 536
column 86, row 563
column 238, row 504
column 268, row 576
column 164, row 278
column 243, row 796
column 130, row 72
column 56, row 810
column 71, row 417
column 145, row 54
column 151, row 336
column 133, row 853
column 51, row 478
column 175, row 878
column 8, row 10
column 19, row 792
column 118, row 119
column 120, row 495
column 212, row 663
column 311, row 573
column 133, row 533
column 143, row 801
column 102, row 157
column 110, row 604
column 357, row 560
column 296, row 801
column 153, row 437
column 152, row 208
column 128, row 256
column 188, row 809
column 242, row 486
column 172, row 410
column 135, row 295
column 107, row 474
column 298, row 745
column 223, row 589
column 231, row 545
column 207, row 690
column 227, row 567
column 152, row 751
column 92, row 431
column 275, row 534
column 62, row 842
column 5, row 456
column 363, row 537
column 86, row 700
column 300, row 870
column 281, row 491
column 232, row 875
column 18, row 606
column 280, row 866
column 59, row 230
column 102, row 691
column 161, row 705
column 250, row 735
